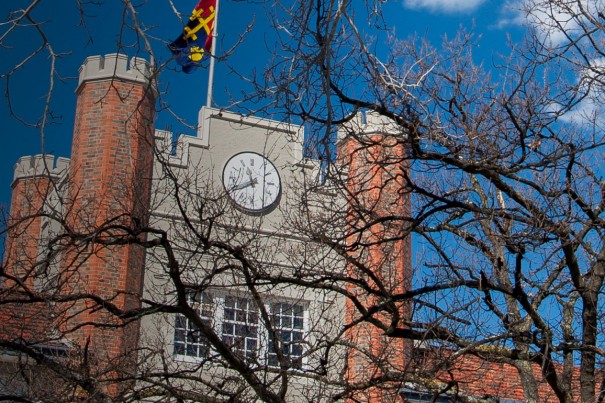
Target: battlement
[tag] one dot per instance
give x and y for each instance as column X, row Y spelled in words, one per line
column 368, row 123
column 178, row 154
column 41, row 165
column 115, row 65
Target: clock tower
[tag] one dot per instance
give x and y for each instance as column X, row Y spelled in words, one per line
column 254, row 165
column 242, row 248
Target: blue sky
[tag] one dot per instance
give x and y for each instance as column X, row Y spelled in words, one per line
column 491, row 20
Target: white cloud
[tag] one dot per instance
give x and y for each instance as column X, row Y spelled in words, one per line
column 591, row 82
column 586, row 112
column 512, row 13
column 446, row 6
column 554, row 22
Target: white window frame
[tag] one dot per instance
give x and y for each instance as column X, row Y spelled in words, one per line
column 262, row 352
column 187, row 324
column 239, row 323
column 291, row 329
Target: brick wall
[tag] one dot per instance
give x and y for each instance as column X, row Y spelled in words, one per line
column 106, row 198
column 108, row 195
column 25, row 223
column 36, row 179
column 470, row 375
column 381, row 252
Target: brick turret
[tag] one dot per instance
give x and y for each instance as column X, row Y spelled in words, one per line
column 35, row 180
column 109, row 187
column 373, row 154
column 36, row 184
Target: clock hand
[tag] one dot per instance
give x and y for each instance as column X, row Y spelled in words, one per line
column 249, row 172
column 244, row 185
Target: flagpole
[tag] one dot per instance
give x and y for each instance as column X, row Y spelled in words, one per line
column 212, row 58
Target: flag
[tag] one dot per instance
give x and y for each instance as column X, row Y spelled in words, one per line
column 196, row 37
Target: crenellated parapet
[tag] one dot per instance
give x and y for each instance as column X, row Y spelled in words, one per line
column 221, row 134
column 368, row 123
column 115, row 66
column 212, row 122
column 41, row 165
column 176, row 154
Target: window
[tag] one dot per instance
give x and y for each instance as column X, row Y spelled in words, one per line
column 188, row 339
column 240, row 326
column 288, row 320
column 237, row 320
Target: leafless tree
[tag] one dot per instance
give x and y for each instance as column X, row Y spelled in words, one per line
column 502, row 167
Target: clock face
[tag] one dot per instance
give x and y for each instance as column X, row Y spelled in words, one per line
column 252, row 182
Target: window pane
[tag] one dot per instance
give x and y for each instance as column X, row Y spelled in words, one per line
column 288, row 323
column 188, row 338
column 286, row 309
column 179, row 348
column 228, row 328
column 179, row 335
